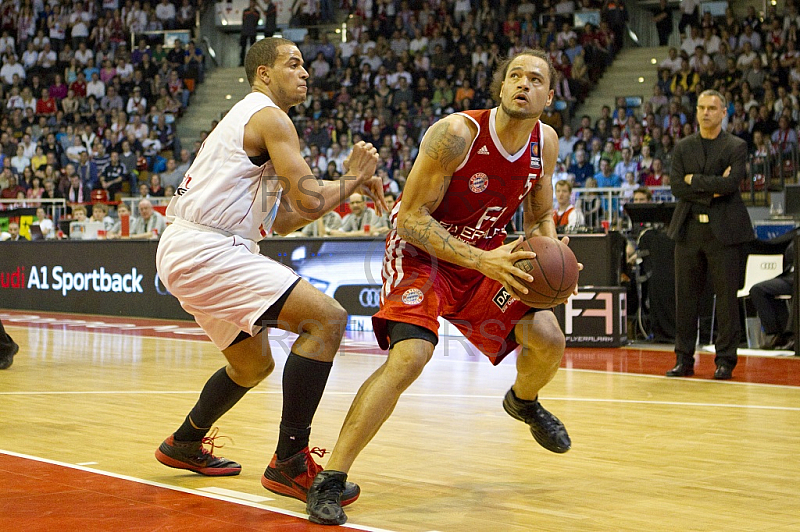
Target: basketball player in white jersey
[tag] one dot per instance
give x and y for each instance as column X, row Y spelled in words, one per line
column 249, row 178
column 445, row 258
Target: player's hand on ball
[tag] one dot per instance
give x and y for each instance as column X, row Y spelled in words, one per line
column 498, row 264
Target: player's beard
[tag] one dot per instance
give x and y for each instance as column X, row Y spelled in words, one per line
column 517, row 114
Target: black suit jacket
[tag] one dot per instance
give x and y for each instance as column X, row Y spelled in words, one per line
column 727, row 213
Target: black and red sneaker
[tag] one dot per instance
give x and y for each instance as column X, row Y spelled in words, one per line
column 193, row 455
column 292, row 477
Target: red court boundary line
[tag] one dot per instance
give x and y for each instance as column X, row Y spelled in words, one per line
column 46, row 495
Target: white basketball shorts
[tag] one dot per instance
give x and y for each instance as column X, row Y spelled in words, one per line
column 221, row 280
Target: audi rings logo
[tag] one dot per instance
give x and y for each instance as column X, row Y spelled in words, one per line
column 769, row 266
column 370, row 297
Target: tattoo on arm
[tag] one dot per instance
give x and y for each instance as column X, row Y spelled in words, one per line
column 537, row 203
column 444, row 146
column 532, row 229
column 426, row 233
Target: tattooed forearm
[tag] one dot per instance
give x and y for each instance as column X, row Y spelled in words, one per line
column 443, row 146
column 532, row 230
column 538, row 213
column 538, row 203
column 427, row 234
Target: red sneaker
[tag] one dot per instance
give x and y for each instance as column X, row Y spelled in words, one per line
column 292, row 477
column 192, row 455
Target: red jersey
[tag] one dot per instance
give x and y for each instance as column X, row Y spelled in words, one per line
column 489, row 185
column 484, row 193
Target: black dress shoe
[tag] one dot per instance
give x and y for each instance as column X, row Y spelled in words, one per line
column 7, row 358
column 785, row 342
column 771, row 341
column 724, row 372
column 681, row 369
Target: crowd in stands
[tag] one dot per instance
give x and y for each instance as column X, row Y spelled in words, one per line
column 79, row 102
column 753, row 61
column 82, row 115
column 406, row 64
column 86, row 105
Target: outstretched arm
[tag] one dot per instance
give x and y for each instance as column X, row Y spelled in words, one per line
column 304, row 199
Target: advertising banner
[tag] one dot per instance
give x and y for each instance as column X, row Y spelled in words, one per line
column 109, row 277
column 595, row 317
column 118, row 278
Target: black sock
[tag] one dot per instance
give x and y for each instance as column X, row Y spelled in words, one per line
column 522, row 402
column 218, row 396
column 303, row 383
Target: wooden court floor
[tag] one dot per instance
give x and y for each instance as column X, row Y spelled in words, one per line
column 89, row 398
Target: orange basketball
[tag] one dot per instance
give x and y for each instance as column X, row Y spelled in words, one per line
column 554, row 271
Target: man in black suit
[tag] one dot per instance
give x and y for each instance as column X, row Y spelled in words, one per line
column 709, row 226
column 774, row 312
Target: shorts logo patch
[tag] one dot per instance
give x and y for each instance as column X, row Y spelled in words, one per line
column 413, row 296
column 478, row 182
column 502, row 299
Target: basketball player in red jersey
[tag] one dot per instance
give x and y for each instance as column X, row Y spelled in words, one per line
column 445, row 257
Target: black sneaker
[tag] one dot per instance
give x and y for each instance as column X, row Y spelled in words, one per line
column 192, row 455
column 323, row 504
column 546, row 428
column 7, row 359
column 293, row 477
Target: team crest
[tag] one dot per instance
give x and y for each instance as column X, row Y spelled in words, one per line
column 413, row 296
column 478, row 182
column 536, row 161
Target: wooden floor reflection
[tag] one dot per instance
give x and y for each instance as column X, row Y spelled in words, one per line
column 89, row 398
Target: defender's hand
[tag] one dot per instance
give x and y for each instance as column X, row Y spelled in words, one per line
column 362, row 161
column 373, row 187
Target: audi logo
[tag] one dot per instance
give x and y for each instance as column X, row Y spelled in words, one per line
column 370, row 297
column 769, row 266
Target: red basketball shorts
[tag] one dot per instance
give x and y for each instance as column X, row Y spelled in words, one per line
column 417, row 290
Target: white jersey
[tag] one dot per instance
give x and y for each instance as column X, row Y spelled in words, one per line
column 223, row 189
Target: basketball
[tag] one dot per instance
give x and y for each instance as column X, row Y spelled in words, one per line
column 554, row 271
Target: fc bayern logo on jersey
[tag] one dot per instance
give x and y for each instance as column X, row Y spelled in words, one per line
column 413, row 296
column 536, row 161
column 478, row 182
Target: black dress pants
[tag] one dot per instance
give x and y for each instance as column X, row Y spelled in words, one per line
column 773, row 313
column 698, row 257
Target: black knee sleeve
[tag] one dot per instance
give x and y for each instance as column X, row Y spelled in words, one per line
column 399, row 331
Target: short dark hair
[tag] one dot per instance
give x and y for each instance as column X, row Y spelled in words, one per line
column 502, row 70
column 263, row 52
column 646, row 191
